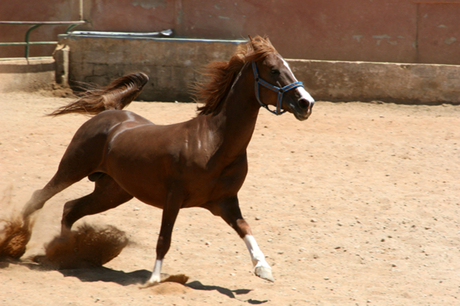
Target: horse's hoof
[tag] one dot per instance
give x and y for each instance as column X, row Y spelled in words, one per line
column 148, row 284
column 265, row 273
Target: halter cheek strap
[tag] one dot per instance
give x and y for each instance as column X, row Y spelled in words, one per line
column 279, row 90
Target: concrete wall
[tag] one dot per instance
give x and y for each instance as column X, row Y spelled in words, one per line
column 28, row 76
column 371, row 81
column 173, row 66
column 410, row 31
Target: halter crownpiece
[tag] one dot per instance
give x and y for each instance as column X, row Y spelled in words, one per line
column 279, row 90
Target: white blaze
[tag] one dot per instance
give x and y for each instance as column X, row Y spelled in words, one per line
column 303, row 93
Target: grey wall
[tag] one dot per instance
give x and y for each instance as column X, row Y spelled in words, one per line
column 174, row 65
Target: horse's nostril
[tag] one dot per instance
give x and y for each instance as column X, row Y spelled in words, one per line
column 304, row 103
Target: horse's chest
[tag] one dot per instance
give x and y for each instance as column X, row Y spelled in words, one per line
column 213, row 184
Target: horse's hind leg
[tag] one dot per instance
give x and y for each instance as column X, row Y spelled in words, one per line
column 80, row 159
column 39, row 197
column 107, row 194
column 230, row 211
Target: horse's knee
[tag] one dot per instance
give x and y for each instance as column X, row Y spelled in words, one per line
column 242, row 228
column 232, row 215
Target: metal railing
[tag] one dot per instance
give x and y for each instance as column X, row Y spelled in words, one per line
column 35, row 25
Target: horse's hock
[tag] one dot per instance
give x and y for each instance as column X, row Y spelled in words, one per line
column 173, row 65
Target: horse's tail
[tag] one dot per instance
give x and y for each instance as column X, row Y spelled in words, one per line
column 116, row 95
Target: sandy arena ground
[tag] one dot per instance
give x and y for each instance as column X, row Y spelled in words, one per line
column 359, row 205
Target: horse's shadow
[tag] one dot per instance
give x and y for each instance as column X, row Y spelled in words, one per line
column 141, row 276
column 104, row 274
column 138, row 277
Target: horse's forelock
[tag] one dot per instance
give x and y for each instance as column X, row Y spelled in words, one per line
column 259, row 48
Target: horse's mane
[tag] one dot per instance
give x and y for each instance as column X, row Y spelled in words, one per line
column 221, row 75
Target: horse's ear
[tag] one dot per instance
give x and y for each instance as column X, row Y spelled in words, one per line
column 251, row 46
column 268, row 40
column 255, row 42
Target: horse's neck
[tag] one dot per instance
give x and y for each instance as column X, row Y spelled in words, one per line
column 237, row 119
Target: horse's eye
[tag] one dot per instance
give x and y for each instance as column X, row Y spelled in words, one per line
column 275, row 71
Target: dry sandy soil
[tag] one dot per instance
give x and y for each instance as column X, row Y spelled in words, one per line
column 359, row 205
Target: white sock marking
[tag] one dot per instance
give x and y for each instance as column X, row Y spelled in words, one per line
column 156, row 274
column 257, row 257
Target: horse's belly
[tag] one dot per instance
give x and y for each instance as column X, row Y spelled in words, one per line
column 193, row 187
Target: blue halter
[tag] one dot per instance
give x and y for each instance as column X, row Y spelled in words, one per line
column 279, row 90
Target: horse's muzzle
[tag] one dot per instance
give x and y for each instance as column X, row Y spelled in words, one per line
column 304, row 105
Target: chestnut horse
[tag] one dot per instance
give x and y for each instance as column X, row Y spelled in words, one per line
column 197, row 163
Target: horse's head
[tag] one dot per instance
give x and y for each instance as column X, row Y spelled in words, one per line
column 276, row 85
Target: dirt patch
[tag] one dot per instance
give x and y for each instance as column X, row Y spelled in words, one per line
column 88, row 246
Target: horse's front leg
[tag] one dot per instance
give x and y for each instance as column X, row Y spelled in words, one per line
column 170, row 212
column 231, row 213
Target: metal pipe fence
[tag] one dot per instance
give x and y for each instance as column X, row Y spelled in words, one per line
column 36, row 24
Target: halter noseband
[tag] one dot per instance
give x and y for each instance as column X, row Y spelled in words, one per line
column 279, row 90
